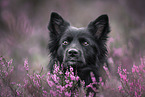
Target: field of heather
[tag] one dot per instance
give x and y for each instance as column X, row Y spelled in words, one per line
column 45, row 84
column 24, row 55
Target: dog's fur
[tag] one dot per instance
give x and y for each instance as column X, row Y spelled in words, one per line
column 82, row 48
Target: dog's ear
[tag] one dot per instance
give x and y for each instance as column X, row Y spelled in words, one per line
column 99, row 27
column 57, row 24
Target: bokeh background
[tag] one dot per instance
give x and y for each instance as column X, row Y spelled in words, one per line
column 24, row 33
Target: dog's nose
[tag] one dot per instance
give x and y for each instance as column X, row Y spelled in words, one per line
column 73, row 53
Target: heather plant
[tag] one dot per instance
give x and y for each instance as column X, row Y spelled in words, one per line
column 38, row 84
column 60, row 83
column 52, row 85
column 133, row 83
column 6, row 86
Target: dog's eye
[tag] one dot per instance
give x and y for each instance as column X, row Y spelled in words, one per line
column 85, row 43
column 65, row 42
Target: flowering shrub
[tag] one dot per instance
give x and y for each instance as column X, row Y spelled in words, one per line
column 133, row 83
column 38, row 84
column 61, row 84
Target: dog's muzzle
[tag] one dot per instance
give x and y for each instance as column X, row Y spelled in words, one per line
column 73, row 57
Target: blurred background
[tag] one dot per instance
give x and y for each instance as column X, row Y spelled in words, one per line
column 24, row 33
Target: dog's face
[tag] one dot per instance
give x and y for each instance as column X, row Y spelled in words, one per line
column 78, row 47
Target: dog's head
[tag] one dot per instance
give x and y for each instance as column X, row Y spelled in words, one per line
column 78, row 47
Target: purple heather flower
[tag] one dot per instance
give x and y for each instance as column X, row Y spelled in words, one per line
column 70, row 84
column 53, row 93
column 77, row 78
column 67, row 73
column 6, row 73
column 71, row 69
column 10, row 62
column 120, row 88
column 67, row 81
column 68, row 94
column 91, row 94
column 12, row 68
column 55, row 78
column 66, row 86
column 72, row 77
column 135, row 68
column 56, row 69
column 18, row 93
column 45, row 92
column 62, row 88
column 123, row 76
column 1, row 58
column 26, row 65
column 60, row 72
column 50, row 83
column 100, row 79
column 92, row 77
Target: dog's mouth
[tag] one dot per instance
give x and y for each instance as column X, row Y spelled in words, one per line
column 73, row 63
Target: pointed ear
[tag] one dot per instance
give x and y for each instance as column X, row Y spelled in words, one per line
column 99, row 27
column 57, row 24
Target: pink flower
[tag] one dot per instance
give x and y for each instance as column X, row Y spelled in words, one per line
column 67, row 81
column 72, row 77
column 18, row 93
column 136, row 94
column 100, row 79
column 26, row 65
column 124, row 77
column 125, row 71
column 6, row 73
column 70, row 84
column 67, row 73
column 1, row 58
column 60, row 72
column 55, row 78
column 102, row 83
column 71, row 69
column 12, row 68
column 77, row 78
column 120, row 88
column 66, row 86
column 53, row 93
column 38, row 76
column 50, row 83
column 60, row 88
column 56, row 68
column 110, row 60
column 10, row 62
column 93, row 79
column 48, row 73
column 135, row 68
column 44, row 92
column 91, row 94
column 68, row 94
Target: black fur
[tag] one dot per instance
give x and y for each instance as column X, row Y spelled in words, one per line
column 82, row 48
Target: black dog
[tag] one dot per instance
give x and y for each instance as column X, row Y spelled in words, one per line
column 82, row 48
